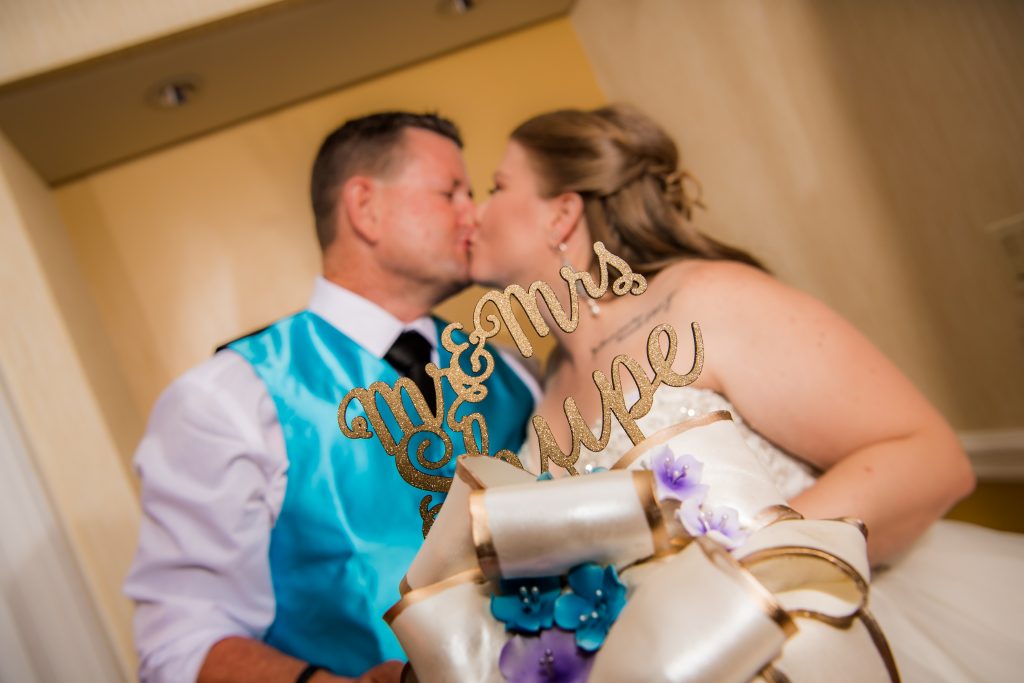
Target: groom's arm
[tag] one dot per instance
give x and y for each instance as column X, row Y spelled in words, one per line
column 212, row 466
column 242, row 660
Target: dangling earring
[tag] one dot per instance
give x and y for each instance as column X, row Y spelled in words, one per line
column 595, row 310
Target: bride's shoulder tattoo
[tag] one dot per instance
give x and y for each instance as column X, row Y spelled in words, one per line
column 633, row 324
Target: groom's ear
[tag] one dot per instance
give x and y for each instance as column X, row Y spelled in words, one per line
column 358, row 200
column 566, row 216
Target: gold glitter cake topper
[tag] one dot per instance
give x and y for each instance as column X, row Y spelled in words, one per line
column 469, row 386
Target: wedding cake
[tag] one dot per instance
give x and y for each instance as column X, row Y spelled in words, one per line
column 680, row 562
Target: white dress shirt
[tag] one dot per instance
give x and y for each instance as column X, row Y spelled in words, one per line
column 214, row 470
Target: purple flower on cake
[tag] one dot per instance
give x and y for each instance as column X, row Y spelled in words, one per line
column 678, row 477
column 526, row 605
column 551, row 657
column 721, row 524
column 591, row 608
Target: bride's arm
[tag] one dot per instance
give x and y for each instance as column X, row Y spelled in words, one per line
column 808, row 381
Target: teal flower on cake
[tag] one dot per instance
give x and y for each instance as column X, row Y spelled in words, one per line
column 526, row 605
column 592, row 607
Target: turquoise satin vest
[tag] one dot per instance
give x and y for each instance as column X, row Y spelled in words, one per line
column 349, row 525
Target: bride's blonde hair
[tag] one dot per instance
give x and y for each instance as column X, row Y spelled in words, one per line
column 625, row 167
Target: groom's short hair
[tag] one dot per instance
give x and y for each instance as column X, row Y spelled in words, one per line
column 369, row 145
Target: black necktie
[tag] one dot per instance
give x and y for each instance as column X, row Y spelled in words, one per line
column 409, row 355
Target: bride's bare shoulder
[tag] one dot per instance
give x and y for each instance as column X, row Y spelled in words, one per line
column 700, row 284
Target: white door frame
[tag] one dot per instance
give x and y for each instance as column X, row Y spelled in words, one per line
column 49, row 627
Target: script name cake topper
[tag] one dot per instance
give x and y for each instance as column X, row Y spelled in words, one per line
column 469, row 386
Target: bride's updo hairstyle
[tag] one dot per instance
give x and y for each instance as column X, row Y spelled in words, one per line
column 625, row 167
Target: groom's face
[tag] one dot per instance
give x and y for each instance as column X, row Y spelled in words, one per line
column 428, row 213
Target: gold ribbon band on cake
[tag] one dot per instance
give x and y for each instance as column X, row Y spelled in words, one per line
column 696, row 617
column 448, row 634
column 788, row 604
column 547, row 528
column 734, row 477
column 450, row 549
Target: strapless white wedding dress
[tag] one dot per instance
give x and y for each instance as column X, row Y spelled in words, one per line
column 952, row 606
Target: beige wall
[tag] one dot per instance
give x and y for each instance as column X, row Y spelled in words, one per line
column 67, row 284
column 50, row 351
column 37, row 36
column 861, row 148
column 195, row 245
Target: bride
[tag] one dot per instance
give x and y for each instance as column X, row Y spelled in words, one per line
column 841, row 430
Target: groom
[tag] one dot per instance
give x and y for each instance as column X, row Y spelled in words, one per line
column 270, row 545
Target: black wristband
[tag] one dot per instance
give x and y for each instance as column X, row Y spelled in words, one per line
column 308, row 673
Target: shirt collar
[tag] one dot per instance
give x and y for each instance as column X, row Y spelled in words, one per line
column 363, row 321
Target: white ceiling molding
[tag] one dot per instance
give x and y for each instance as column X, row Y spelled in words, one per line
column 38, row 36
column 997, row 454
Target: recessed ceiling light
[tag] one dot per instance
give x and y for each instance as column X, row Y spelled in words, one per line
column 173, row 93
column 458, row 6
